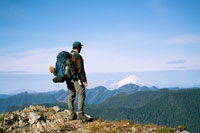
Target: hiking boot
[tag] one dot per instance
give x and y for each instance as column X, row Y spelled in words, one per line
column 81, row 116
column 72, row 116
column 52, row 70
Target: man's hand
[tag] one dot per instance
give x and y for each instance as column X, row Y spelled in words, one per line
column 85, row 84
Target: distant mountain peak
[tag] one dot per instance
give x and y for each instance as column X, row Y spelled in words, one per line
column 101, row 88
column 132, row 79
column 22, row 90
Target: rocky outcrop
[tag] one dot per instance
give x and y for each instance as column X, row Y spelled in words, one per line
column 36, row 119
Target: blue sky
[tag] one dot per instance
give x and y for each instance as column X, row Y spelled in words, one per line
column 118, row 35
column 158, row 40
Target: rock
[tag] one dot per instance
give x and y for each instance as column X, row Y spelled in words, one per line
column 23, row 114
column 56, row 108
column 49, row 123
column 11, row 116
column 34, row 126
column 39, row 126
column 134, row 129
column 21, row 123
column 10, row 129
column 33, row 117
column 152, row 130
column 62, row 115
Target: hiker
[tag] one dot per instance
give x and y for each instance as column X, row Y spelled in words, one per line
column 77, row 84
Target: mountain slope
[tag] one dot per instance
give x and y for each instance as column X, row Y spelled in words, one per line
column 179, row 107
column 134, row 100
column 22, row 98
column 93, row 96
column 131, row 88
column 61, row 95
column 161, row 107
column 2, row 96
column 98, row 95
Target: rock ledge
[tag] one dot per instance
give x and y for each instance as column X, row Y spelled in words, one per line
column 36, row 119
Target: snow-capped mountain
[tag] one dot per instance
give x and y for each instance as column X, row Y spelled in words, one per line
column 132, row 79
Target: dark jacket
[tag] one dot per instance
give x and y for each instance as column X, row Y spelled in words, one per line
column 79, row 65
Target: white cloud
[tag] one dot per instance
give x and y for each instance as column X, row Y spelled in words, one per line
column 12, row 72
column 127, row 53
column 101, row 61
column 184, row 39
column 181, row 67
column 34, row 61
column 180, row 61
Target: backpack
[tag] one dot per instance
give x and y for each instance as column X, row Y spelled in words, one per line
column 64, row 67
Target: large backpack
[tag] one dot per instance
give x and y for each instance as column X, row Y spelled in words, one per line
column 64, row 67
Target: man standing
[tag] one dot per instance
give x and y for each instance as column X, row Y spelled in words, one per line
column 77, row 84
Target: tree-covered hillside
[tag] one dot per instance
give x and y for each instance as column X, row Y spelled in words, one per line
column 163, row 107
column 24, row 98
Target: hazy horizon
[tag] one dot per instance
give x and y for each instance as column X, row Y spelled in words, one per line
column 11, row 83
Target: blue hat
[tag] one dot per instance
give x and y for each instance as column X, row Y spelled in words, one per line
column 77, row 44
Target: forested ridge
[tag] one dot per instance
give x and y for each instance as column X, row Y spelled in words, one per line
column 162, row 107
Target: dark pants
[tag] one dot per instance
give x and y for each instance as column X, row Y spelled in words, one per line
column 73, row 88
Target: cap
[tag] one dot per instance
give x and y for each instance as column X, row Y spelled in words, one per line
column 77, row 44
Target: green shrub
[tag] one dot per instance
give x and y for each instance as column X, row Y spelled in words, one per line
column 164, row 130
column 1, row 117
column 1, row 130
column 181, row 128
column 43, row 118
